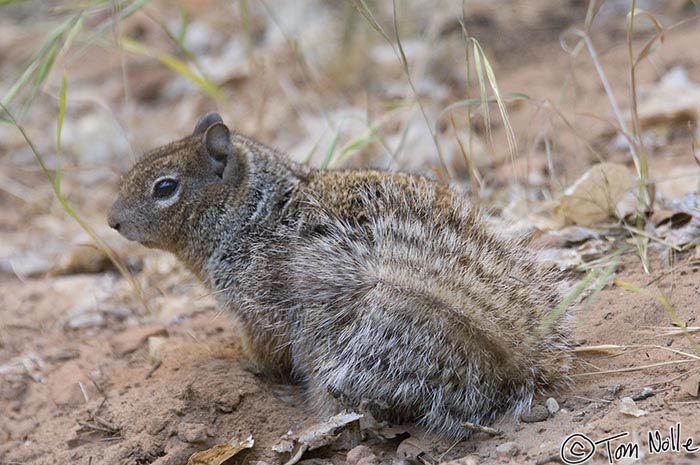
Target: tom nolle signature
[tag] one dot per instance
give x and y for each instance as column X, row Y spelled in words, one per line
column 579, row 448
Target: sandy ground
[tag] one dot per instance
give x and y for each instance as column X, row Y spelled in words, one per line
column 91, row 375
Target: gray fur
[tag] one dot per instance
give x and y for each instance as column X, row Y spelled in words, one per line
column 379, row 292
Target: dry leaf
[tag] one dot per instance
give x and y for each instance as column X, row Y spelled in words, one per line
column 595, row 195
column 221, row 452
column 318, row 435
column 629, row 407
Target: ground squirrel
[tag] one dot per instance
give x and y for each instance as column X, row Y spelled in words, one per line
column 377, row 291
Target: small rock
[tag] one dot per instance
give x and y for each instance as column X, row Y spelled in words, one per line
column 536, row 414
column 192, row 432
column 508, row 449
column 362, row 455
column 131, row 339
column 629, row 407
column 552, row 405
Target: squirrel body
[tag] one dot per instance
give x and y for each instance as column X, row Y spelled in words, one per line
column 379, row 292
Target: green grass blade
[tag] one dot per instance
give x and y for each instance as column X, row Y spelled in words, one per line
column 68, row 208
column 310, row 154
column 331, row 150
column 602, row 276
column 59, row 131
column 42, row 62
column 10, row 2
column 175, row 64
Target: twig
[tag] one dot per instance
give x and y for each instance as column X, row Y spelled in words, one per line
column 629, row 369
column 473, row 427
column 153, row 369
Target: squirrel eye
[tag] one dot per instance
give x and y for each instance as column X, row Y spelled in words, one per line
column 164, row 188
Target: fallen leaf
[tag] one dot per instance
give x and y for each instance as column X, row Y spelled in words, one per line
column 316, row 436
column 595, row 195
column 221, row 452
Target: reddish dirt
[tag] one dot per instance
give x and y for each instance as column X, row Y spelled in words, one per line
column 90, row 376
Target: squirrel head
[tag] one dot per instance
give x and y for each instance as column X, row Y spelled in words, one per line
column 175, row 184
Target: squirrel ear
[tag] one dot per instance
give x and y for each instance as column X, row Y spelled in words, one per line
column 217, row 144
column 207, row 120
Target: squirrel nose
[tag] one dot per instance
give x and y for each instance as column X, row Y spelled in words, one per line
column 114, row 224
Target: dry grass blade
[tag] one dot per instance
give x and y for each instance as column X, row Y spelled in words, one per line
column 642, row 168
column 404, row 63
column 599, row 348
column 368, row 137
column 474, row 175
column 674, row 331
column 634, row 347
column 632, row 369
column 648, row 49
column 510, row 135
column 68, row 208
column 401, row 55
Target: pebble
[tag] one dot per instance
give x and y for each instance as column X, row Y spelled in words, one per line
column 552, row 405
column 362, row 455
column 536, row 414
